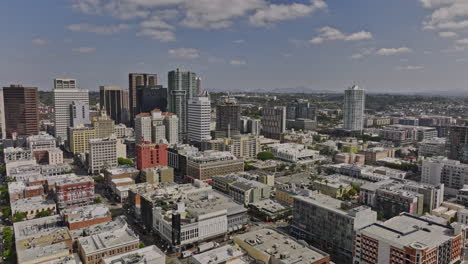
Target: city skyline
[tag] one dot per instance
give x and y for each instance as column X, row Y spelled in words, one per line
column 322, row 45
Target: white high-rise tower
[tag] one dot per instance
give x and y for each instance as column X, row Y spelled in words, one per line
column 65, row 93
column 353, row 112
column 199, row 118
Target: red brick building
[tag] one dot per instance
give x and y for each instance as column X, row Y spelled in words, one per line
column 150, row 155
column 408, row 239
column 81, row 217
column 72, row 192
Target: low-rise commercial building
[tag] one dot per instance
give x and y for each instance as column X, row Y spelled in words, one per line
column 146, row 255
column 84, row 216
column 372, row 155
column 350, row 158
column 32, row 206
column 93, row 249
column 295, row 153
column 75, row 191
column 159, row 174
column 42, row 240
column 242, row 190
column 270, row 246
column 188, row 214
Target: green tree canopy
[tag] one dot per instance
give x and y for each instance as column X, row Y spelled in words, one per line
column 124, row 161
column 265, row 155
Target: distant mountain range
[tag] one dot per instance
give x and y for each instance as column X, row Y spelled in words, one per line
column 308, row 90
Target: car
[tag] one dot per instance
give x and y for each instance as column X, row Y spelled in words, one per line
column 113, row 204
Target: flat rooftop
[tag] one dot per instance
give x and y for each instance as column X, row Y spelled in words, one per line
column 205, row 203
column 33, row 253
column 118, row 223
column 122, row 169
column 34, row 227
column 30, row 204
column 407, row 230
column 106, row 240
column 84, row 213
column 150, row 254
column 273, row 243
column 220, row 254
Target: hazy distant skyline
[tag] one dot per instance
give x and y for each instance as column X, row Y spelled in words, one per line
column 381, row 45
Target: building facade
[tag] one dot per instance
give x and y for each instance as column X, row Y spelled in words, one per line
column 150, row 155
column 21, row 110
column 199, row 119
column 65, row 92
column 353, row 111
column 136, row 81
column 182, row 86
column 116, row 102
column 102, row 154
column 273, row 122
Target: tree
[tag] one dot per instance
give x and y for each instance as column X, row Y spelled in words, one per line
column 45, row 213
column 6, row 211
column 2, row 170
column 141, row 245
column 265, row 155
column 248, row 167
column 124, row 161
column 97, row 200
column 98, row 179
column 19, row 216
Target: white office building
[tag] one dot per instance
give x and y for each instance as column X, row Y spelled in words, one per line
column 452, row 173
column 2, row 116
column 65, row 92
column 102, row 154
column 142, row 128
column 199, row 118
column 354, row 104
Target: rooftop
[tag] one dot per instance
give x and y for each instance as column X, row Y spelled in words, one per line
column 406, row 230
column 122, row 170
column 37, row 226
column 118, row 223
column 84, row 213
column 220, row 254
column 278, row 245
column 105, row 240
column 30, row 204
column 78, row 179
column 335, row 205
column 33, row 253
column 150, row 254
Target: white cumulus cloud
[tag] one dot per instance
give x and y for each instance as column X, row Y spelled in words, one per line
column 101, row 30
column 238, row 62
column 409, row 68
column 186, row 53
column 448, row 34
column 39, row 41
column 280, row 12
column 330, row 33
column 393, row 51
column 84, row 49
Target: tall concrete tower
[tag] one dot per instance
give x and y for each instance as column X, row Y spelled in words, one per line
column 353, row 112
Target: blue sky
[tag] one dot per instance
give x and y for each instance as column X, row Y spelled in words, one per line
column 382, row 45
